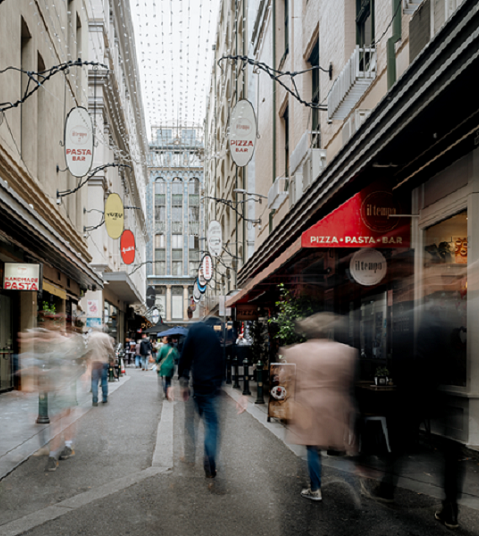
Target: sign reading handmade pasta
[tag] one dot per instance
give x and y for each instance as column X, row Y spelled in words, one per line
column 114, row 216
column 207, row 266
column 127, row 246
column 17, row 276
column 78, row 141
column 242, row 133
column 215, row 238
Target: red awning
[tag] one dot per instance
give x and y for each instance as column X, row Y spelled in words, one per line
column 366, row 220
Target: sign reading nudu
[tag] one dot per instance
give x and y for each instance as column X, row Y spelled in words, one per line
column 368, row 267
column 19, row 276
column 242, row 133
column 78, row 141
column 114, row 216
column 215, row 238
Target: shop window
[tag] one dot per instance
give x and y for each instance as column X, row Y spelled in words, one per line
column 444, row 285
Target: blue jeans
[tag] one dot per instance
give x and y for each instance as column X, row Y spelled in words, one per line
column 314, row 467
column 99, row 372
column 137, row 361
column 207, row 408
column 144, row 362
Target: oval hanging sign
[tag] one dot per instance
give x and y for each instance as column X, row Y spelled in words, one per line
column 215, row 238
column 78, row 141
column 201, row 278
column 201, row 288
column 114, row 216
column 242, row 133
column 207, row 267
column 127, row 247
column 196, row 292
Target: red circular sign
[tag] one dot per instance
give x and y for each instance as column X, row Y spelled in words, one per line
column 127, row 247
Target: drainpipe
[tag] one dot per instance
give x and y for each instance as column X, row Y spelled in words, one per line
column 274, row 107
column 396, row 36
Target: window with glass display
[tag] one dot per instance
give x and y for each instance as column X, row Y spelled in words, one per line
column 445, row 293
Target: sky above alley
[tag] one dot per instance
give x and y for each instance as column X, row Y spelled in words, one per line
column 174, row 40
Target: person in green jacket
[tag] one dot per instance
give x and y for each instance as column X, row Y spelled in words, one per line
column 165, row 361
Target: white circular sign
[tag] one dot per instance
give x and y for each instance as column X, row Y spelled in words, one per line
column 155, row 316
column 201, row 278
column 207, row 266
column 368, row 267
column 78, row 141
column 215, row 238
column 242, row 133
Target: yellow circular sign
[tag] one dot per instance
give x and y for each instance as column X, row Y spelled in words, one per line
column 114, row 216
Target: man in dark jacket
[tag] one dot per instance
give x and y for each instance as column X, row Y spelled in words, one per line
column 145, row 351
column 203, row 356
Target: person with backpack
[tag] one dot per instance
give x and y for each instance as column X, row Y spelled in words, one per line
column 165, row 360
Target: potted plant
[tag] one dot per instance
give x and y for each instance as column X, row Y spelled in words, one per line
column 381, row 376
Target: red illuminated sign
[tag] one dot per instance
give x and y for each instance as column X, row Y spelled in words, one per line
column 127, row 247
column 367, row 220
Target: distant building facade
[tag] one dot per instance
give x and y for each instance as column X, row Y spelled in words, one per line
column 175, row 219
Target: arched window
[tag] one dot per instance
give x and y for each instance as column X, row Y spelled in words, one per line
column 177, row 200
column 160, row 200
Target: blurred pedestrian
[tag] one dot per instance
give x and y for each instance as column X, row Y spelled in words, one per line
column 165, row 360
column 145, row 351
column 202, row 355
column 323, row 409
column 100, row 352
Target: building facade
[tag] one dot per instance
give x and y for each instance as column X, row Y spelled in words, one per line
column 175, row 219
column 37, row 233
column 120, row 159
column 373, row 164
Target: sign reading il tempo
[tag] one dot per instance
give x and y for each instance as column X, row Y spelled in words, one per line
column 242, row 133
column 368, row 267
column 78, row 141
column 367, row 220
column 114, row 216
column 215, row 238
column 19, row 276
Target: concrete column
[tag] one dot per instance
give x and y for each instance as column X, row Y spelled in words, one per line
column 168, row 303
column 185, row 302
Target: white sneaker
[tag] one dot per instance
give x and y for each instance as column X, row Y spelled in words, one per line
column 312, row 495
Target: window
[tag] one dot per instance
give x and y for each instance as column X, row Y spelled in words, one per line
column 177, row 214
column 160, row 241
column 160, row 268
column 286, row 142
column 315, row 127
column 177, row 302
column 176, row 241
column 445, row 295
column 193, row 271
column 177, row 268
column 160, row 187
column 194, row 187
column 364, row 22
column 160, row 213
column 177, row 187
column 193, row 213
column 193, row 242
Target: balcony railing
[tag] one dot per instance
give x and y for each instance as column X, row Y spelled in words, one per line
column 351, row 84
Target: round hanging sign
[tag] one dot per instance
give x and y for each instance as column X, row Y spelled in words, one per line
column 155, row 316
column 368, row 267
column 114, row 216
column 78, row 141
column 215, row 238
column 242, row 133
column 127, row 246
column 207, row 266
column 201, row 288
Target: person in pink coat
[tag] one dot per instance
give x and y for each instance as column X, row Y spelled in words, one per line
column 323, row 409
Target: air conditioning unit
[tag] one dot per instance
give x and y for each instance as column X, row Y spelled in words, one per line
column 278, row 193
column 410, row 6
column 347, row 130
column 295, row 188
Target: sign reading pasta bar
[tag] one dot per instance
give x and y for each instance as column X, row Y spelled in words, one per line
column 21, row 276
column 78, row 141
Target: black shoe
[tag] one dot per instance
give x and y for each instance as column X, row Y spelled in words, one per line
column 52, row 464
column 67, row 452
column 210, row 474
column 448, row 515
column 104, row 401
column 95, row 403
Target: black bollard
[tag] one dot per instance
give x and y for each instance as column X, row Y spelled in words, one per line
column 236, row 384
column 246, row 390
column 228, row 367
column 43, row 409
column 111, row 373
column 259, row 382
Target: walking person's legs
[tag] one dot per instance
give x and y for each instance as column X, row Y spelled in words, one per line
column 95, row 378
column 314, row 469
column 207, row 409
column 104, row 382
